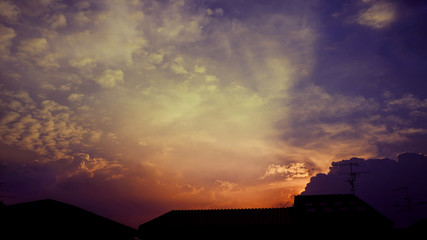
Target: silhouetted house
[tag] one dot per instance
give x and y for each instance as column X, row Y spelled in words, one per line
column 414, row 231
column 218, row 223
column 50, row 219
column 310, row 216
column 342, row 211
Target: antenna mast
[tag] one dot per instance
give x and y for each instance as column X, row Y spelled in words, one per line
column 409, row 205
column 352, row 175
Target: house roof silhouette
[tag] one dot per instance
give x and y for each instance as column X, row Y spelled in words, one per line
column 258, row 216
column 340, row 212
column 50, row 219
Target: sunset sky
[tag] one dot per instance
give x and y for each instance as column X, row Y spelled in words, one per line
column 133, row 108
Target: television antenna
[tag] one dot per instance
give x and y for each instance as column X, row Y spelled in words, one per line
column 352, row 174
column 409, row 205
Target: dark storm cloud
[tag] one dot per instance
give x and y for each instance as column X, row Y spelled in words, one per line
column 386, row 184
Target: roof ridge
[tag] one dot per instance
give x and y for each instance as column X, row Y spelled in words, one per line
column 228, row 209
column 328, row 194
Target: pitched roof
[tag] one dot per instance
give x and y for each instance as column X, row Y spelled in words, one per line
column 308, row 209
column 50, row 219
column 310, row 216
column 218, row 223
column 256, row 216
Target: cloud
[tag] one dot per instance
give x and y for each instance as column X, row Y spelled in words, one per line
column 85, row 64
column 408, row 101
column 316, row 102
column 9, row 117
column 177, row 26
column 6, row 36
column 379, row 15
column 92, row 165
column 381, row 182
column 33, row 47
column 156, row 58
column 111, row 78
column 340, row 126
column 37, row 50
column 58, row 21
column 215, row 12
column 75, row 97
column 46, row 127
column 177, row 66
column 286, row 172
column 9, row 10
column 226, row 185
column 199, row 69
column 105, row 34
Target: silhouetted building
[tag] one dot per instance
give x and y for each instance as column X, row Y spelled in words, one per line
column 315, row 215
column 343, row 211
column 50, row 219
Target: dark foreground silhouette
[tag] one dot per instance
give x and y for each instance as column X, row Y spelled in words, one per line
column 50, row 219
column 338, row 216
column 332, row 216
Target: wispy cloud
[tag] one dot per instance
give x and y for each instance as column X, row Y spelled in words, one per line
column 378, row 15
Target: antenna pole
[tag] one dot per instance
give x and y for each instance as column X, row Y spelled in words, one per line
column 352, row 175
column 408, row 201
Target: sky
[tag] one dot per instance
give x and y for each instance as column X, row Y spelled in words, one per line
column 132, row 108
